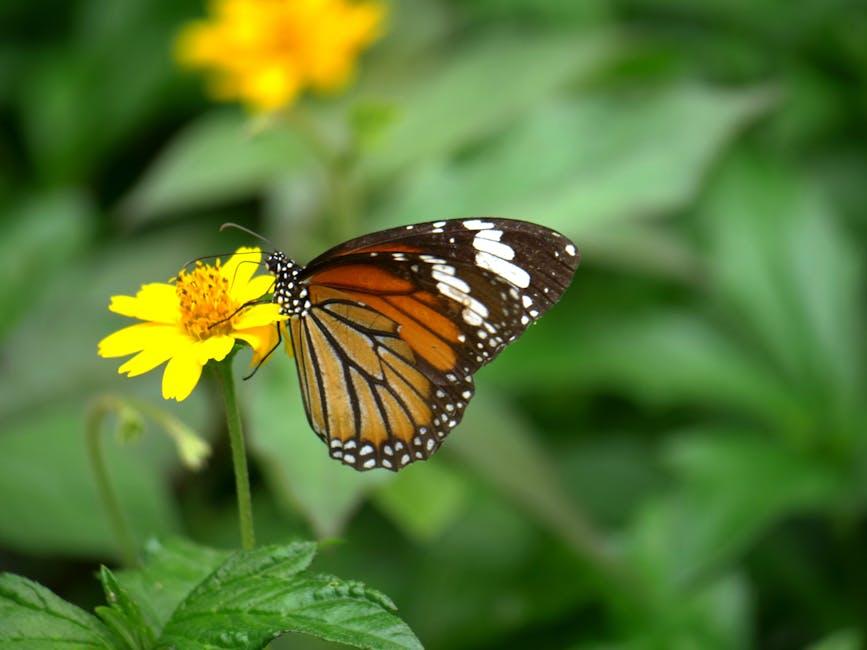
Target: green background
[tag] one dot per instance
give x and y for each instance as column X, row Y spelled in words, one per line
column 693, row 408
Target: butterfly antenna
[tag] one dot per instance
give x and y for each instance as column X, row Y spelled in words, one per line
column 213, row 257
column 229, row 224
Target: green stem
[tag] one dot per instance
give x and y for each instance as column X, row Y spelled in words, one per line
column 96, row 414
column 223, row 370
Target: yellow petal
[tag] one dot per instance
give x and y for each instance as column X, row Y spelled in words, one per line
column 181, row 374
column 253, row 290
column 257, row 316
column 241, row 267
column 135, row 338
column 256, row 337
column 263, row 340
column 215, row 347
column 156, row 302
column 145, row 361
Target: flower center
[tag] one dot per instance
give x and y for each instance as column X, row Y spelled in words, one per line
column 206, row 306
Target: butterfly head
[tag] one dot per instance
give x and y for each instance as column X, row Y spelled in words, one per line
column 276, row 262
column 288, row 292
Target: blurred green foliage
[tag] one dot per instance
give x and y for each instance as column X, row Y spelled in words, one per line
column 675, row 457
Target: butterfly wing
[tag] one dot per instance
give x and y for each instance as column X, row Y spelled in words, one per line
column 401, row 319
column 367, row 395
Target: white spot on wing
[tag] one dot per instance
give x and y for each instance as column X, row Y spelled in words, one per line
column 450, row 291
column 493, row 247
column 477, row 224
column 493, row 235
column 570, row 249
column 506, row 270
column 471, row 317
column 452, row 281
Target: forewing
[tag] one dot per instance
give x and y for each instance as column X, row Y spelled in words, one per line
column 460, row 290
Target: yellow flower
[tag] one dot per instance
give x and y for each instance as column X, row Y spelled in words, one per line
column 265, row 52
column 191, row 321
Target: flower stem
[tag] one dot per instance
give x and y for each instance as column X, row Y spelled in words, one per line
column 223, row 370
column 95, row 416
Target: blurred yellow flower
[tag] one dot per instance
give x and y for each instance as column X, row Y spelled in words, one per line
column 265, row 52
column 191, row 321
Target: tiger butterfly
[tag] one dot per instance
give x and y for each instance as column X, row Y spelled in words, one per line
column 388, row 329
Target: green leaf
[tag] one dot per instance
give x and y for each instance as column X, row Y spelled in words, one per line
column 170, row 571
column 787, row 271
column 498, row 446
column 257, row 595
column 656, row 357
column 216, row 159
column 301, row 473
column 732, row 488
column 79, row 101
column 424, row 502
column 601, row 159
column 33, row 618
column 473, row 93
column 713, row 614
column 123, row 614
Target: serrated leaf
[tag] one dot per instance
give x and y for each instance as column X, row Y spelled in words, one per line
column 123, row 613
column 170, row 571
column 33, row 618
column 295, row 461
column 255, row 596
column 216, row 159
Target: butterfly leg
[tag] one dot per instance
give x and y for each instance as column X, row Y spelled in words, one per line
column 249, row 303
column 270, row 352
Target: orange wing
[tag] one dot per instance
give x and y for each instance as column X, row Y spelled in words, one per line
column 368, row 391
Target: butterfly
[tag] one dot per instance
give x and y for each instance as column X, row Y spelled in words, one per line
column 388, row 329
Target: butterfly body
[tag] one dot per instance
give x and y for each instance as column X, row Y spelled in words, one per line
column 289, row 293
column 388, row 329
